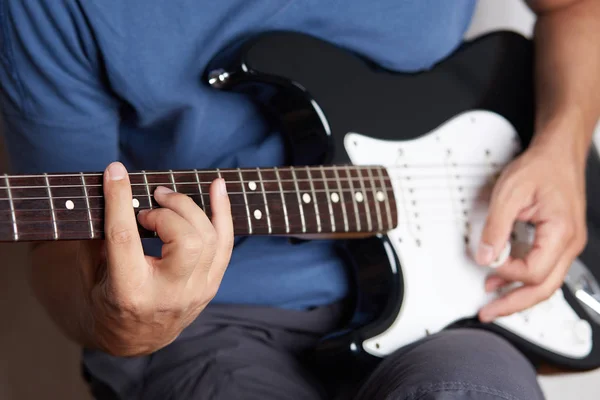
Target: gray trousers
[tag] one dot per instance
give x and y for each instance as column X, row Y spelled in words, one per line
column 257, row 353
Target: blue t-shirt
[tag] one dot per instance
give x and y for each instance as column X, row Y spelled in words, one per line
column 85, row 83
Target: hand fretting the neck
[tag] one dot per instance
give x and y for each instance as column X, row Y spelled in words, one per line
column 320, row 200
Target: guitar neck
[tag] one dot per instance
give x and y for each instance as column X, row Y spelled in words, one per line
column 315, row 200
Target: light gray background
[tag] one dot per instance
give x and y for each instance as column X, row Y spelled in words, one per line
column 37, row 362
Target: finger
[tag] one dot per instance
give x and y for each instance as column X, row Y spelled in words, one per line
column 223, row 223
column 494, row 282
column 182, row 246
column 526, row 296
column 549, row 243
column 185, row 207
column 124, row 251
column 527, row 213
column 504, row 208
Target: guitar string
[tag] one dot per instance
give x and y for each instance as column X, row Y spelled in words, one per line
column 465, row 194
column 426, row 213
column 256, row 224
column 463, row 198
column 395, row 178
column 350, row 178
column 297, row 168
column 322, row 192
column 426, row 217
column 413, row 223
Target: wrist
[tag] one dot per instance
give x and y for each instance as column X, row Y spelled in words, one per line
column 566, row 137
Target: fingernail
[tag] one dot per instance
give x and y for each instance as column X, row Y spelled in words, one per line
column 116, row 171
column 485, row 254
column 142, row 212
column 222, row 187
column 163, row 190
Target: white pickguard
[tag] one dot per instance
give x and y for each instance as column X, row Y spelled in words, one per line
column 439, row 184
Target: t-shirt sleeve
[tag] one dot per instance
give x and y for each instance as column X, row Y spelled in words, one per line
column 58, row 113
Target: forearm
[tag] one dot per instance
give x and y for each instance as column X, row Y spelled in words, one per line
column 567, row 73
column 62, row 279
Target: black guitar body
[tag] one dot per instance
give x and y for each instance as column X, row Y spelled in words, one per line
column 316, row 92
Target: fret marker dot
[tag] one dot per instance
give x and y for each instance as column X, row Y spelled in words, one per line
column 306, row 198
column 70, row 205
column 136, row 203
column 335, row 197
column 257, row 214
column 380, row 196
column 359, row 197
column 252, row 185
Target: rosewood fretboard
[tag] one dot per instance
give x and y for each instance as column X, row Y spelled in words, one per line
column 266, row 201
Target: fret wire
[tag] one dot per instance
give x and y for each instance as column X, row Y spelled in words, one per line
column 173, row 180
column 87, row 203
column 374, row 190
column 314, row 195
column 367, row 208
column 285, row 213
column 339, row 184
column 149, row 195
column 387, row 198
column 300, row 205
column 147, row 190
column 245, row 200
column 353, row 197
column 329, row 206
column 54, row 225
column 262, row 185
column 200, row 189
column 12, row 209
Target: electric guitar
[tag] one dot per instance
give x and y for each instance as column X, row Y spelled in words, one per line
column 398, row 167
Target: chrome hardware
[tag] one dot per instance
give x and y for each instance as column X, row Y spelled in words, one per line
column 218, row 78
column 585, row 287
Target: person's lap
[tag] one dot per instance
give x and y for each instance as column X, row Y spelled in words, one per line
column 239, row 352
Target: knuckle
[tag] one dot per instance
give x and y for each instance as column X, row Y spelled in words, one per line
column 120, row 235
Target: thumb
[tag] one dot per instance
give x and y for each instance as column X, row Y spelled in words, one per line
column 496, row 232
column 124, row 250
